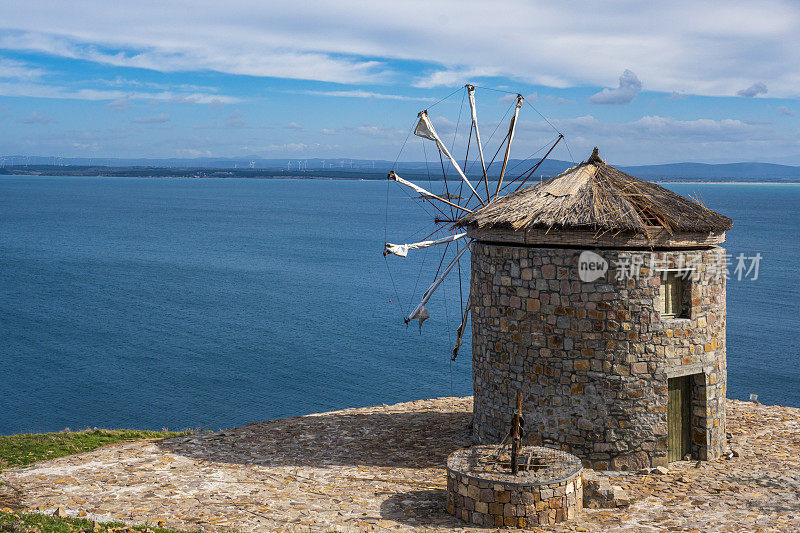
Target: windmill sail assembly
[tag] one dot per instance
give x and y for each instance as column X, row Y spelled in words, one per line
column 467, row 188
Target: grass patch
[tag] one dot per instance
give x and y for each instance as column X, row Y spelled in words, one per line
column 28, row 448
column 17, row 522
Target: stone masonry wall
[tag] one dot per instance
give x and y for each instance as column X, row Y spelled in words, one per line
column 592, row 359
column 494, row 504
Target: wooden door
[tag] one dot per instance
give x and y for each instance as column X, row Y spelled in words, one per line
column 678, row 418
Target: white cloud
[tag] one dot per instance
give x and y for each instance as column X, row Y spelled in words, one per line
column 42, row 90
column 196, row 51
column 629, row 87
column 369, row 94
column 558, row 100
column 785, row 111
column 161, row 118
column 444, row 125
column 192, row 152
column 658, row 139
column 119, row 81
column 454, row 77
column 37, row 118
column 378, row 132
column 120, row 104
column 210, row 99
column 650, row 127
column 289, row 148
column 294, row 126
column 707, row 51
column 11, row 69
column 236, row 121
column 703, row 47
column 725, row 129
column 753, row 91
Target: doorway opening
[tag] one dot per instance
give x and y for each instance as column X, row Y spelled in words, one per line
column 679, row 417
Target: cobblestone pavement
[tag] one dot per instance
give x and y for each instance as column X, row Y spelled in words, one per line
column 382, row 468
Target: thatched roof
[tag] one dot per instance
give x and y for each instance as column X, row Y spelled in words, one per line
column 595, row 196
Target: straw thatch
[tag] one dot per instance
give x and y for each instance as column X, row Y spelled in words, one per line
column 597, row 197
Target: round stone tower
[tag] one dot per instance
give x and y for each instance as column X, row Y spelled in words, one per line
column 601, row 297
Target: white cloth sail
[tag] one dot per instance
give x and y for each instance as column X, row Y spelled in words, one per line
column 425, row 130
column 422, row 315
column 420, row 312
column 424, row 192
column 402, row 249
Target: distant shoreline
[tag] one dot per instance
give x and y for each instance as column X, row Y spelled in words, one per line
column 370, row 177
column 724, row 182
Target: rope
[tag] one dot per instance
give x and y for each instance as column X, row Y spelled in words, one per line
column 491, row 162
column 446, row 187
column 492, row 136
column 422, row 202
column 427, row 167
column 404, row 145
column 570, row 151
column 386, row 239
column 544, row 118
column 419, row 274
column 431, row 234
column 441, row 262
column 526, row 101
column 548, row 143
column 446, row 312
column 396, row 294
column 531, row 169
column 445, row 98
column 495, row 154
column 495, row 90
column 386, row 222
column 386, row 225
column 458, row 122
column 451, row 378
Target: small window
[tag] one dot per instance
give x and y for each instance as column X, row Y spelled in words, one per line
column 671, row 295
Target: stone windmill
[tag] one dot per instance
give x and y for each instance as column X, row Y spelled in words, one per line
column 601, row 298
column 598, row 296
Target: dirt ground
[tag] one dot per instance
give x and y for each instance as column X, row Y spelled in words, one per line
column 382, row 468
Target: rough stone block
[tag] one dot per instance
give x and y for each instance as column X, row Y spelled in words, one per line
column 502, row 496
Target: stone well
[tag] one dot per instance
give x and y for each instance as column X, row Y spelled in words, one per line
column 482, row 492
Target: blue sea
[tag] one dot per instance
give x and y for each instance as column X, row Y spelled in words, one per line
column 187, row 303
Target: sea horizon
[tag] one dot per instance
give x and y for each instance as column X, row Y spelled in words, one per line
column 146, row 303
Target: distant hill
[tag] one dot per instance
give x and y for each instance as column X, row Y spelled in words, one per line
column 738, row 171
column 368, row 169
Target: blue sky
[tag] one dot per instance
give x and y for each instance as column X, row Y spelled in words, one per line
column 685, row 81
